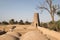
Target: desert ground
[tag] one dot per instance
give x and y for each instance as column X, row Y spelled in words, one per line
column 27, row 32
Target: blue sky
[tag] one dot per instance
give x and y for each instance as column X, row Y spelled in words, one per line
column 22, row 9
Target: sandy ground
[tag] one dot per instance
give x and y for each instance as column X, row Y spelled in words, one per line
column 22, row 30
column 50, row 33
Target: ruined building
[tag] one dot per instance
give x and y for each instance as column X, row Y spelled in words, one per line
column 36, row 21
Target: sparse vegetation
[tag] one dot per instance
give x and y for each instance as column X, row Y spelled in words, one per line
column 55, row 26
column 21, row 22
column 0, row 23
column 12, row 21
column 27, row 22
column 50, row 25
column 45, row 25
column 50, row 7
column 58, row 25
column 58, row 13
column 4, row 23
column 16, row 22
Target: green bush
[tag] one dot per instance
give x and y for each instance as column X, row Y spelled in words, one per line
column 5, row 23
column 21, row 22
column 12, row 21
column 41, row 24
column 27, row 22
column 16, row 22
column 58, row 25
column 45, row 25
column 54, row 26
column 0, row 22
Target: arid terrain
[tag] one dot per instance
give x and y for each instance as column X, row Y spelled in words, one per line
column 27, row 32
column 29, row 19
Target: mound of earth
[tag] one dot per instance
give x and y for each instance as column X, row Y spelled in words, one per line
column 16, row 34
column 33, row 35
column 8, row 37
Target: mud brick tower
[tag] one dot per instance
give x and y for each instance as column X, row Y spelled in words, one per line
column 36, row 21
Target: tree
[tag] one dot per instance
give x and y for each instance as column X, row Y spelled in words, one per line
column 45, row 25
column 16, row 22
column 58, row 13
column 27, row 22
column 58, row 25
column 11, row 21
column 50, row 7
column 5, row 23
column 21, row 22
column 0, row 22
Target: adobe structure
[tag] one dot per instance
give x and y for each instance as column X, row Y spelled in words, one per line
column 36, row 21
